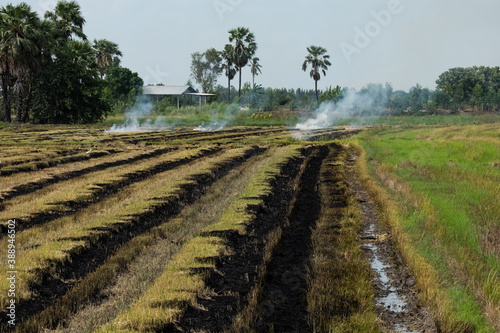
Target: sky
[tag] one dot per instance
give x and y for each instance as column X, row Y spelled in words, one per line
column 402, row 42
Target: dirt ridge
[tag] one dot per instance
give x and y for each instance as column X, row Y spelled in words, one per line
column 37, row 185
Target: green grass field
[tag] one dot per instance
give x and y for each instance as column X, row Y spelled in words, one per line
column 445, row 184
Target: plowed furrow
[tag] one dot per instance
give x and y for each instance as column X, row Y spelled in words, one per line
column 333, row 135
column 38, row 156
column 283, row 306
column 237, row 273
column 58, row 161
column 106, row 190
column 239, row 135
column 37, row 185
column 108, row 241
column 143, row 259
column 179, row 135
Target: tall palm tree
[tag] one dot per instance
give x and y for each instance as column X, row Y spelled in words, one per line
column 107, row 54
column 228, row 66
column 244, row 48
column 319, row 61
column 255, row 68
column 19, row 54
column 68, row 19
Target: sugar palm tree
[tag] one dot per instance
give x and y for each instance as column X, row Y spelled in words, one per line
column 228, row 66
column 68, row 19
column 244, row 48
column 255, row 68
column 319, row 61
column 19, row 54
column 107, row 54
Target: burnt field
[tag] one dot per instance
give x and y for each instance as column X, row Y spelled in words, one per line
column 242, row 230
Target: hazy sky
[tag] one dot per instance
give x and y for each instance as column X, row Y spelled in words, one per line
column 403, row 42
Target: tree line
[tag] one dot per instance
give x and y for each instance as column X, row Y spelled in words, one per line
column 207, row 66
column 474, row 87
column 458, row 89
column 51, row 73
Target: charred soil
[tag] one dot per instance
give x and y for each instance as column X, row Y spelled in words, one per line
column 236, row 273
column 109, row 241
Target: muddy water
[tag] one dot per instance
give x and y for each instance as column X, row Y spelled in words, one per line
column 396, row 297
column 388, row 298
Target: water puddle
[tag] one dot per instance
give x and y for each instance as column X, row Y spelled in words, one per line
column 398, row 307
column 389, row 298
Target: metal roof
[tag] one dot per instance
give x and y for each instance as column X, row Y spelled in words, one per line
column 200, row 94
column 168, row 90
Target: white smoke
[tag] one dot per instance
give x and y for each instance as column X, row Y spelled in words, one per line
column 141, row 109
column 213, row 126
column 354, row 108
column 219, row 120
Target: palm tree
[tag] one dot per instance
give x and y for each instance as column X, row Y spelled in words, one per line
column 244, row 48
column 319, row 61
column 255, row 68
column 68, row 19
column 20, row 55
column 107, row 54
column 228, row 66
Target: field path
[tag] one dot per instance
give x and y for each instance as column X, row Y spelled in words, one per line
column 396, row 295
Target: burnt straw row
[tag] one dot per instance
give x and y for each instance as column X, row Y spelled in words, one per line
column 294, row 206
column 67, row 274
column 106, row 190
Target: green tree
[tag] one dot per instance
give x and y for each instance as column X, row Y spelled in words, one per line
column 70, row 89
column 20, row 56
column 206, row 67
column 441, row 98
column 490, row 99
column 477, row 96
column 122, row 85
column 68, row 20
column 331, row 94
column 107, row 54
column 244, row 49
column 319, row 61
column 228, row 67
column 459, row 83
column 255, row 68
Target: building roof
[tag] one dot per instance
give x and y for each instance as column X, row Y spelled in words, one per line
column 168, row 90
column 200, row 94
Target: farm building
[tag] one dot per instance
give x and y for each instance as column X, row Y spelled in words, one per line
column 159, row 92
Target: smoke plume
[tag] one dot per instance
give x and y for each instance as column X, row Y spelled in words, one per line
column 354, row 107
column 141, row 109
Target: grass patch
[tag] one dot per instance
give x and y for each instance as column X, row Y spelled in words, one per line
column 443, row 177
